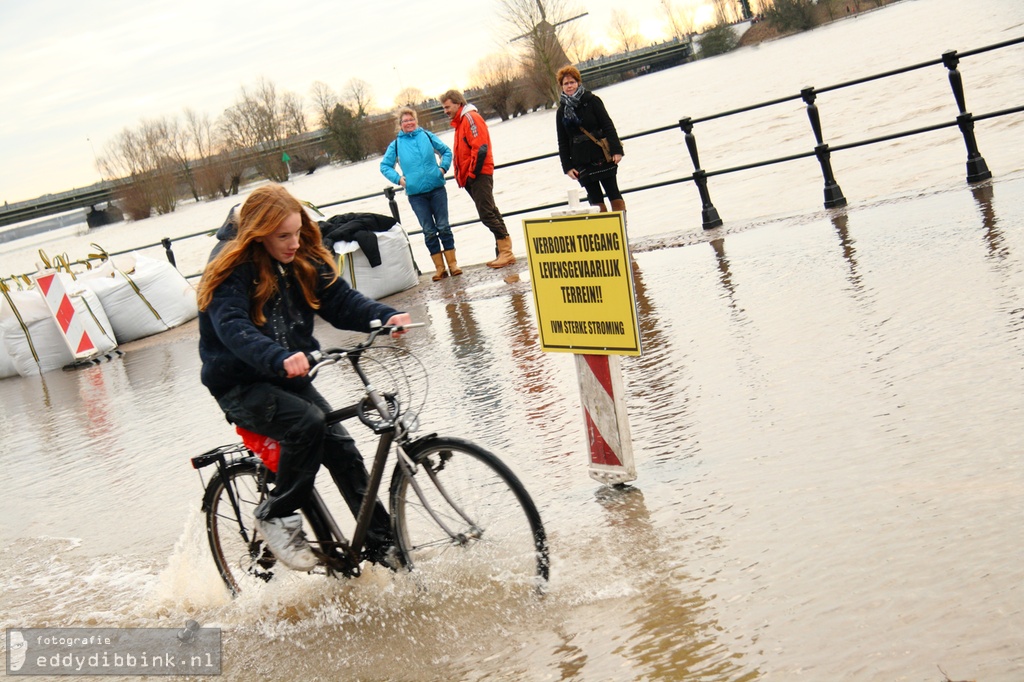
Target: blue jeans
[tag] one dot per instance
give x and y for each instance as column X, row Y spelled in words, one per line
column 431, row 209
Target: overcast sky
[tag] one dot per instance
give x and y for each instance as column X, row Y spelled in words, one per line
column 76, row 72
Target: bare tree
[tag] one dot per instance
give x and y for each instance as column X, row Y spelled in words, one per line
column 200, row 131
column 255, row 123
column 181, row 149
column 358, row 96
column 725, row 11
column 498, row 75
column 293, row 115
column 624, row 30
column 211, row 173
column 324, row 101
column 143, row 159
column 680, row 20
column 579, row 46
column 410, row 97
column 158, row 135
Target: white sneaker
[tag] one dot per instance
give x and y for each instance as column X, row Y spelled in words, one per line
column 286, row 540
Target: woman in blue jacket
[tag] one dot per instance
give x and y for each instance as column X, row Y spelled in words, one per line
column 257, row 302
column 417, row 150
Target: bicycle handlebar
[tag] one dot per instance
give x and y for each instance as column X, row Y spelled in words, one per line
column 329, row 356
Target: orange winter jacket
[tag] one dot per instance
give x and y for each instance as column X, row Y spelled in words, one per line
column 472, row 147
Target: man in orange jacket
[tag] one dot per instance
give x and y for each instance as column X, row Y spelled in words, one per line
column 474, row 170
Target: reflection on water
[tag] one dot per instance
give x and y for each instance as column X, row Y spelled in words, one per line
column 665, row 629
column 983, row 195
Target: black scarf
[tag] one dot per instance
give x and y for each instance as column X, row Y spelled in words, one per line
column 570, row 102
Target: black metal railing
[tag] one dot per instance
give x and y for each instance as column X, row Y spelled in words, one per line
column 977, row 169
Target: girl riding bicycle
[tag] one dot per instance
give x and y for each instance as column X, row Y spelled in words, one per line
column 257, row 301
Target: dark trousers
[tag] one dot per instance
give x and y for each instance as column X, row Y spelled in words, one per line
column 296, row 420
column 611, row 188
column 481, row 190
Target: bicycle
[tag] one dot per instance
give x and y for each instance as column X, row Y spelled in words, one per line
column 452, row 502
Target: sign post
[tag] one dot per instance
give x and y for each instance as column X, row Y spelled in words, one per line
column 585, row 303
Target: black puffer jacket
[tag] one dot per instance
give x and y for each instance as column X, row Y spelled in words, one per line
column 235, row 351
column 574, row 148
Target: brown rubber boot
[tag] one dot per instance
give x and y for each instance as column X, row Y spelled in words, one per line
column 620, row 205
column 601, row 208
column 439, row 264
column 505, row 256
column 453, row 267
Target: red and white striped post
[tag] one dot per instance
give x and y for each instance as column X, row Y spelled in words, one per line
column 583, row 290
column 609, row 444
column 63, row 310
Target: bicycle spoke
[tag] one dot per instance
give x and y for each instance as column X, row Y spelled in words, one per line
column 464, row 512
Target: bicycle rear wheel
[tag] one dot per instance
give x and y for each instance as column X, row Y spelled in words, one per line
column 242, row 557
column 470, row 516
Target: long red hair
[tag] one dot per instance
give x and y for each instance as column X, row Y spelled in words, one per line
column 261, row 214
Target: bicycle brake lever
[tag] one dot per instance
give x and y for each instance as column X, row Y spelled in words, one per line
column 317, row 360
column 398, row 328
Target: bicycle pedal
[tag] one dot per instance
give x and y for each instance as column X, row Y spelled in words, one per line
column 338, row 564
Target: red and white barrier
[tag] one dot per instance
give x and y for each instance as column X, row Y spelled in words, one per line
column 604, row 412
column 63, row 311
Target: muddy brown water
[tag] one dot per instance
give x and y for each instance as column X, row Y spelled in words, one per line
column 827, row 421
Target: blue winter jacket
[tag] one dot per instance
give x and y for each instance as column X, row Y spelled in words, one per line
column 416, row 152
column 235, row 351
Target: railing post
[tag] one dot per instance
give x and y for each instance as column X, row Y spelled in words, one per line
column 709, row 214
column 833, row 193
column 977, row 169
column 389, row 192
column 166, row 242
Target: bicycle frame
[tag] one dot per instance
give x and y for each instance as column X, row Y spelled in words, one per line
column 390, row 430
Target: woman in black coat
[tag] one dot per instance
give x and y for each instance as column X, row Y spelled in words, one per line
column 582, row 116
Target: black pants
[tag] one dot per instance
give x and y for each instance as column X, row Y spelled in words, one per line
column 606, row 179
column 296, row 420
column 481, row 190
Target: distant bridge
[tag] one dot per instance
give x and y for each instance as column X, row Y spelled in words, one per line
column 608, row 70
column 51, row 204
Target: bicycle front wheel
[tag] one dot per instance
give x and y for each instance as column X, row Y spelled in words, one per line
column 463, row 512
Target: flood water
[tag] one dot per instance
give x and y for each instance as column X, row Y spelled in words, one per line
column 827, row 420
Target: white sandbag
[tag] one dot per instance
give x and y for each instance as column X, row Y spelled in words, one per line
column 7, row 368
column 44, row 336
column 150, row 298
column 396, row 272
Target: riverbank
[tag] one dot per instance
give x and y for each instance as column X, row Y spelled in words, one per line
column 822, row 13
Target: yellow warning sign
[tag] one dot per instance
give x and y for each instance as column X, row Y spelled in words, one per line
column 583, row 284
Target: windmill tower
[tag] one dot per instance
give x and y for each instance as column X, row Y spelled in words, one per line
column 545, row 54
